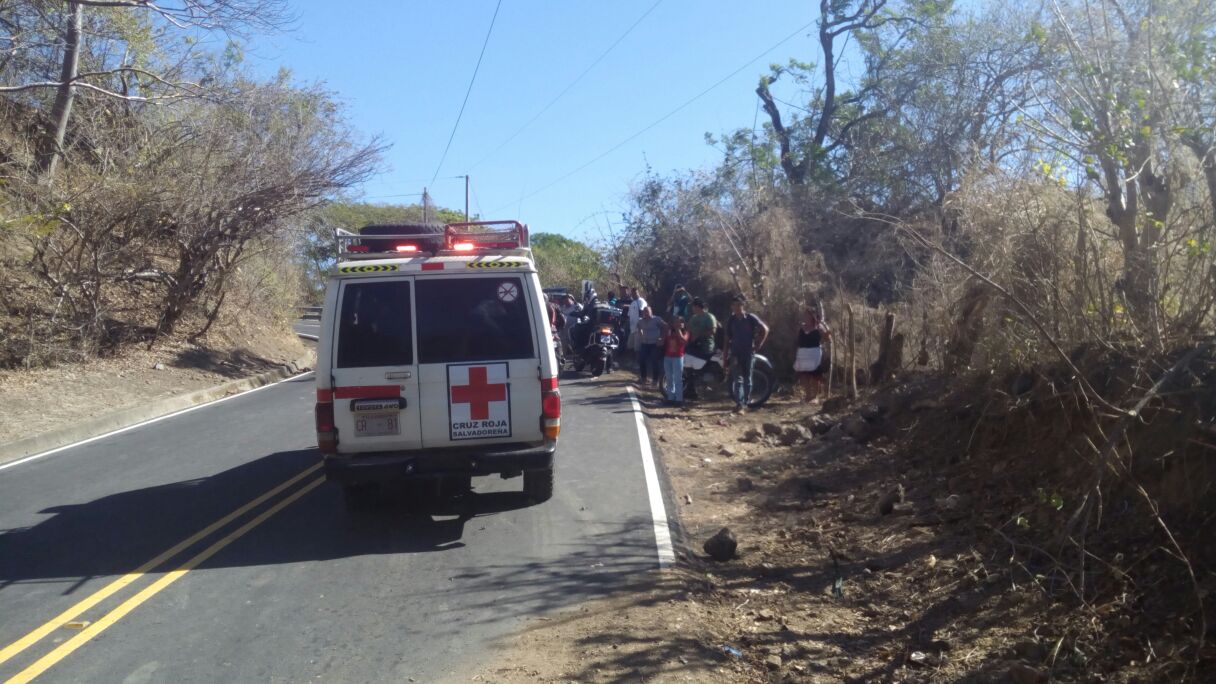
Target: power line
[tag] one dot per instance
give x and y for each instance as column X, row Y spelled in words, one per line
column 408, row 194
column 666, row 116
column 571, row 85
column 468, row 91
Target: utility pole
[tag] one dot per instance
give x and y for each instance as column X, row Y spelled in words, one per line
column 466, row 198
column 426, row 199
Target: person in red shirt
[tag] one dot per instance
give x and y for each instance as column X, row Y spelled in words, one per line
column 675, row 339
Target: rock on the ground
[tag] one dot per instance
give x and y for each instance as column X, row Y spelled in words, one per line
column 728, row 452
column 159, row 366
column 753, row 435
column 744, row 484
column 856, row 427
column 886, row 505
column 795, row 434
column 722, row 546
column 873, row 413
column 772, row 429
column 817, row 424
column 773, row 662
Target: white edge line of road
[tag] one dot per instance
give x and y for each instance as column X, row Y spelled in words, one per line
column 658, row 510
column 157, row 419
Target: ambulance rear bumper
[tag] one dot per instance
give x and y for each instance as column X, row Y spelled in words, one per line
column 403, row 465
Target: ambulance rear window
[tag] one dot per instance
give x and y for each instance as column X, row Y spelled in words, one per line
column 374, row 325
column 473, row 319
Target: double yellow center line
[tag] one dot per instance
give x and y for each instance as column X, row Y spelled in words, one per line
column 95, row 628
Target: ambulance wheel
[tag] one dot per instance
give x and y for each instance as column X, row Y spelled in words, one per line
column 359, row 497
column 538, row 484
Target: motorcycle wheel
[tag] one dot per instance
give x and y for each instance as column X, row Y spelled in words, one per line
column 597, row 368
column 763, row 383
column 579, row 364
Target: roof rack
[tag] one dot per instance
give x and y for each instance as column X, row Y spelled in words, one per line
column 457, row 239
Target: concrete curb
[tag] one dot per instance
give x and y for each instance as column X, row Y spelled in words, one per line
column 117, row 420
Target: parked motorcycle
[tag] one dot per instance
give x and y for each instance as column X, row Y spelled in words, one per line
column 594, row 340
column 709, row 379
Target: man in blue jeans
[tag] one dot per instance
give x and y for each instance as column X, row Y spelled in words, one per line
column 745, row 335
column 650, row 333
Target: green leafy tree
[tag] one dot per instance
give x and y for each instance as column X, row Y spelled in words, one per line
column 563, row 262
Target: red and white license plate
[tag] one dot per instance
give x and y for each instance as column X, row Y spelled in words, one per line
column 377, row 425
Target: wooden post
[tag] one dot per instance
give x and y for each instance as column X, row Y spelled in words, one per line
column 831, row 360
column 851, row 379
column 882, row 366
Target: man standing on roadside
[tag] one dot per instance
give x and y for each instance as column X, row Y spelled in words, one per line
column 702, row 328
column 623, row 324
column 650, row 354
column 745, row 335
column 635, row 316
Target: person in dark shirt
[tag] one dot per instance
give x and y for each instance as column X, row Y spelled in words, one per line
column 809, row 364
column 650, row 351
column 745, row 335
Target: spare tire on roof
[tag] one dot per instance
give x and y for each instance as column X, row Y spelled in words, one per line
column 431, row 232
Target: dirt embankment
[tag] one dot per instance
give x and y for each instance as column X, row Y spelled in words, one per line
column 40, row 400
column 871, row 547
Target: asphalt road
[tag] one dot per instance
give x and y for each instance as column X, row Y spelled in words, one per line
column 292, row 587
column 307, row 327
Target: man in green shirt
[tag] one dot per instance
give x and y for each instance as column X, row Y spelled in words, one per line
column 702, row 327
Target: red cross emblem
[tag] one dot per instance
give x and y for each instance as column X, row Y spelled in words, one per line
column 478, row 393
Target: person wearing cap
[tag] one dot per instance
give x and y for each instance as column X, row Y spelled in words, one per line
column 745, row 335
column 680, row 302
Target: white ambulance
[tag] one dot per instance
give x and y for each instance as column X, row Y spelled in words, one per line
column 435, row 360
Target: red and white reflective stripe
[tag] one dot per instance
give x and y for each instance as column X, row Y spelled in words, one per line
column 360, row 392
column 433, row 266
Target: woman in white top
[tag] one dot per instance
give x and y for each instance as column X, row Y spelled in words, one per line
column 810, row 364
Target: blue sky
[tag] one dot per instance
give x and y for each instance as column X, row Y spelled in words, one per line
column 403, row 68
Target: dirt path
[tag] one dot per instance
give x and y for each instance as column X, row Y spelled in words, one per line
column 853, row 565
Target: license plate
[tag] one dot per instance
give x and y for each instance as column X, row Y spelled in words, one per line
column 377, row 425
column 605, row 339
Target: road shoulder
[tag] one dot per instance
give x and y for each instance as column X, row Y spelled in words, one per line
column 47, row 409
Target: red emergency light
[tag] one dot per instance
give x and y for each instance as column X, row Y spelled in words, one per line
column 485, row 235
column 408, row 249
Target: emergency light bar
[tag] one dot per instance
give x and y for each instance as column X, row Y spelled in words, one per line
column 457, row 238
column 485, row 235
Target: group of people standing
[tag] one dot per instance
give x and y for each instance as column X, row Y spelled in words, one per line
column 661, row 345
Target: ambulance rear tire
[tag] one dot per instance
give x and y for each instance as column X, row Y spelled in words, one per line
column 538, row 484
column 359, row 497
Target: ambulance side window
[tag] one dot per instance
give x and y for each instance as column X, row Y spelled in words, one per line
column 374, row 325
column 473, row 319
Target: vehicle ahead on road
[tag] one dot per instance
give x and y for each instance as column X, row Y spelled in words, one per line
column 434, row 362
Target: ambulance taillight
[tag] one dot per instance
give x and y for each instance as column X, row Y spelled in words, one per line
column 550, row 409
column 327, row 432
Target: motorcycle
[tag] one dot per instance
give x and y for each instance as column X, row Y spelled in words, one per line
column 594, row 340
column 710, row 377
